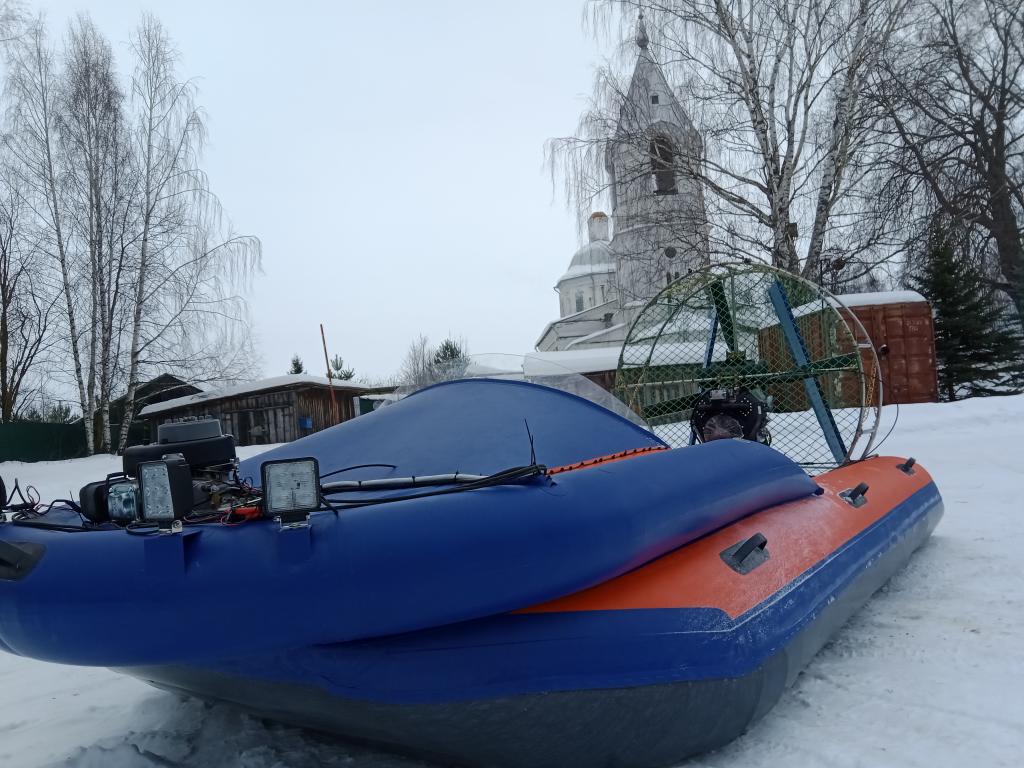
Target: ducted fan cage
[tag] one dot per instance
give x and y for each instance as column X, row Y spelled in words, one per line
column 752, row 352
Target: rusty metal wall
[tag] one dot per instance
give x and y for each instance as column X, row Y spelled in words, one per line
column 908, row 371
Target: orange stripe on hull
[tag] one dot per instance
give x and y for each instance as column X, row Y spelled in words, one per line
column 800, row 534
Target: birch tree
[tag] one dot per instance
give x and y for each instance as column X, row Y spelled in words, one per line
column 151, row 277
column 92, row 134
column 25, row 307
column 188, row 265
column 33, row 90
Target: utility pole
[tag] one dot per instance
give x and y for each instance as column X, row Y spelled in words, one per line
column 330, row 378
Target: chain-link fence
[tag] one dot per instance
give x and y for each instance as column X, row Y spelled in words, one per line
column 750, row 351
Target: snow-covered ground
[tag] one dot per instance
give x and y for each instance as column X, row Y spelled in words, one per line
column 930, row 673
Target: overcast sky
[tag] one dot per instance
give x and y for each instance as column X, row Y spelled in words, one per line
column 390, row 158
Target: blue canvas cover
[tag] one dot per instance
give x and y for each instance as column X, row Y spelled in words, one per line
column 477, row 426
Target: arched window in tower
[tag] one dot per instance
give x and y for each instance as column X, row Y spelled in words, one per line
column 579, row 301
column 663, row 157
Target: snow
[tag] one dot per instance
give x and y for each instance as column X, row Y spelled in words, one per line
column 273, row 382
column 63, row 479
column 852, row 300
column 593, row 315
column 584, row 340
column 873, row 299
column 583, row 270
column 929, row 674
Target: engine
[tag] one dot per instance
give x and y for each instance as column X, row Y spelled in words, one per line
column 192, row 468
column 735, row 413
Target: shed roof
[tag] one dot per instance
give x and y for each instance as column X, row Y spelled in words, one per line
column 288, row 381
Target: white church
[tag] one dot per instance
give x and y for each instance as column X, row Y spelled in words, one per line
column 657, row 230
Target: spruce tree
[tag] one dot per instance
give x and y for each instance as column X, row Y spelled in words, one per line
column 979, row 345
column 450, row 360
column 297, row 366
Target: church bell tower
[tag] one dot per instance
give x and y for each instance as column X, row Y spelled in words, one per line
column 653, row 161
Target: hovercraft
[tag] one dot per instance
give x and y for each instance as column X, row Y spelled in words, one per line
column 487, row 572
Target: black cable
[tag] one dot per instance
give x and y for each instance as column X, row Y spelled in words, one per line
column 326, row 503
column 196, row 519
column 142, row 529
column 44, row 526
column 26, row 504
column 895, row 421
column 33, row 513
column 356, row 466
column 28, row 518
column 505, row 477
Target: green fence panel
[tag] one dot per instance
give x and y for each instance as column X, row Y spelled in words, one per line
column 33, row 441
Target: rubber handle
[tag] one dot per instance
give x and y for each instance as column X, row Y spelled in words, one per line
column 757, row 541
column 13, row 556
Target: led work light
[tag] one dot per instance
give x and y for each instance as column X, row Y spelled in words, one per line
column 291, row 489
column 165, row 488
column 123, row 501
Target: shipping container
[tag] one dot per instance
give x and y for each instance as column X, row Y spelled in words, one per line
column 903, row 334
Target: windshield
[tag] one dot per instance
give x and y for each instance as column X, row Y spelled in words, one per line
column 536, row 369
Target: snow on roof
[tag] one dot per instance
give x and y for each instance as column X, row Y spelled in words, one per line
column 879, row 297
column 274, row 382
column 583, row 270
column 851, row 300
column 595, row 335
column 572, row 318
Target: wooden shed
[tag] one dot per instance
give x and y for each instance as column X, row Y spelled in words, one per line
column 275, row 410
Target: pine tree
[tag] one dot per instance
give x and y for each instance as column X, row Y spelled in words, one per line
column 979, row 345
column 297, row 366
column 338, row 369
column 450, row 360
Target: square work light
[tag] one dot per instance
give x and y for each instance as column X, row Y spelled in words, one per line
column 291, row 488
column 165, row 488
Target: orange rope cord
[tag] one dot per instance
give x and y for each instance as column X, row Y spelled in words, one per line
column 607, row 459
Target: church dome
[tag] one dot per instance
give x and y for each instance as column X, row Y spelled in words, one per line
column 594, row 254
column 595, row 257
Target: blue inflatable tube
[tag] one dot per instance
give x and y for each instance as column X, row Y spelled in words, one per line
column 113, row 599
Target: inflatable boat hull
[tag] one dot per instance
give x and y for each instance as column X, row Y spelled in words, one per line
column 672, row 659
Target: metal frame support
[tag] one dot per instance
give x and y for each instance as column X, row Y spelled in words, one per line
column 723, row 314
column 798, row 349
column 709, row 355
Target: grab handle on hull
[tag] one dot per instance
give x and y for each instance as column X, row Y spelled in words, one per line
column 17, row 559
column 856, row 496
column 745, row 556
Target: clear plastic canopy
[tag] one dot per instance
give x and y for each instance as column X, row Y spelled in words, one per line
column 532, row 368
